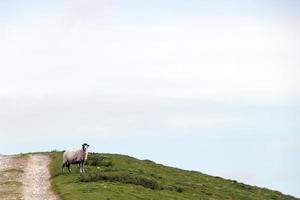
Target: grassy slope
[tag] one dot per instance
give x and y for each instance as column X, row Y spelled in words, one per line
column 173, row 183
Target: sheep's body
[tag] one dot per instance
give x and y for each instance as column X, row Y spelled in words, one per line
column 75, row 157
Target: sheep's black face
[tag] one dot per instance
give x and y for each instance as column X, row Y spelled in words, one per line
column 85, row 146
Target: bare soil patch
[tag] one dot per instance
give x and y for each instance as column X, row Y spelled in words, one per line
column 25, row 177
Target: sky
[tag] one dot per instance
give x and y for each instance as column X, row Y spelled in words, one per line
column 211, row 86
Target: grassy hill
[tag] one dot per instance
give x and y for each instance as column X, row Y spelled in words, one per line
column 113, row 177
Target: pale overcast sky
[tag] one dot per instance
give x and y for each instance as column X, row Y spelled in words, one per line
column 211, row 86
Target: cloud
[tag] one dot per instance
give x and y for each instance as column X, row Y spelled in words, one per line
column 212, row 59
column 82, row 70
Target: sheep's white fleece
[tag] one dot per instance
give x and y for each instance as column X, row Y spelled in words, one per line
column 74, row 156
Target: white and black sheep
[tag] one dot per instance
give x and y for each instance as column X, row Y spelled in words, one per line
column 75, row 157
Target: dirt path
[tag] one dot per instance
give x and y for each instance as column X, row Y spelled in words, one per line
column 25, row 178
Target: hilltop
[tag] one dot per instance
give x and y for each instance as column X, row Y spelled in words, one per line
column 114, row 176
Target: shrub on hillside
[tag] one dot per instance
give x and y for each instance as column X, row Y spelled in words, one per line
column 123, row 178
column 95, row 159
column 173, row 188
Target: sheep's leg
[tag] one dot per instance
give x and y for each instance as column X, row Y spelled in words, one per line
column 68, row 165
column 63, row 167
column 81, row 167
column 83, row 170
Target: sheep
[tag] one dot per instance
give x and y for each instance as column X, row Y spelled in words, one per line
column 75, row 157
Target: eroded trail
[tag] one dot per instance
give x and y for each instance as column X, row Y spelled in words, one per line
column 25, row 178
column 36, row 179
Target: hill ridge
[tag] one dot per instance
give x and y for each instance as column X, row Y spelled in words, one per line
column 117, row 176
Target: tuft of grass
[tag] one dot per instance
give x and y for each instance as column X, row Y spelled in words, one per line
column 13, row 170
column 11, row 184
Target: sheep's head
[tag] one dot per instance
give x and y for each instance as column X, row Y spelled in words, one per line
column 85, row 146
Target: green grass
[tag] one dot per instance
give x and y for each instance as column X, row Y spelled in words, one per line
column 116, row 177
